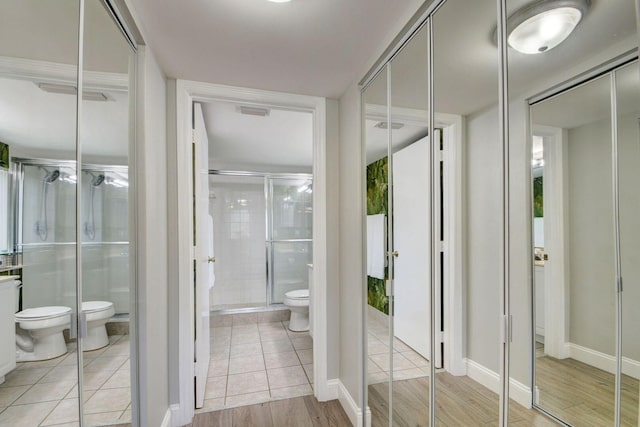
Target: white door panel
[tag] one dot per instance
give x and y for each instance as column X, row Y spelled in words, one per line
column 411, row 239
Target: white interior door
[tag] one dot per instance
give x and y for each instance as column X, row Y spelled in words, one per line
column 411, row 225
column 202, row 254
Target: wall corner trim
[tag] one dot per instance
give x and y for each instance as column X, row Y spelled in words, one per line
column 518, row 392
column 349, row 405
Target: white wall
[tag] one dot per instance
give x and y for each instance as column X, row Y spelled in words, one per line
column 481, row 217
column 351, row 254
column 591, row 239
column 151, row 181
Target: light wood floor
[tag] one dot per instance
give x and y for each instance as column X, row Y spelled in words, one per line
column 298, row 412
column 460, row 402
column 583, row 395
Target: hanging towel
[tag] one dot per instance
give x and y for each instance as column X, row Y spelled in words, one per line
column 212, row 273
column 376, row 245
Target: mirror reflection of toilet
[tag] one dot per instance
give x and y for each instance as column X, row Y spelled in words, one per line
column 298, row 302
column 98, row 313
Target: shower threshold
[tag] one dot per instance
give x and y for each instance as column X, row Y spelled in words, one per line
column 238, row 310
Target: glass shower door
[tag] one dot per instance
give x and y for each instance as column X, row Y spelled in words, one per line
column 290, row 235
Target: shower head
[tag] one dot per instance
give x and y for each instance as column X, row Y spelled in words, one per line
column 97, row 180
column 52, row 176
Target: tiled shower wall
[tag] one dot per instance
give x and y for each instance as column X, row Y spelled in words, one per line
column 239, row 228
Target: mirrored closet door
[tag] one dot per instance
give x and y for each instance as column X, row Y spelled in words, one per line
column 574, row 115
column 66, row 134
column 585, row 206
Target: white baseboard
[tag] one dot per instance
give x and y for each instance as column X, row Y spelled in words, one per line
column 175, row 416
column 603, row 361
column 351, row 407
column 327, row 391
column 491, row 380
column 166, row 421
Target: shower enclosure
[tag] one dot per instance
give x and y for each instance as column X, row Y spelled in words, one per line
column 262, row 234
column 44, row 194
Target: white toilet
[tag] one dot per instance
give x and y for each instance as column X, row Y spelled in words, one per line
column 298, row 302
column 39, row 333
column 98, row 313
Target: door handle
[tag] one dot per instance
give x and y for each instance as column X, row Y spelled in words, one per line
column 211, row 259
column 395, row 254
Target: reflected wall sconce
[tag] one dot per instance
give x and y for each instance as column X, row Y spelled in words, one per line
column 544, row 24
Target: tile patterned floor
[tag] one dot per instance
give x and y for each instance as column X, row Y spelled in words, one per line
column 257, row 362
column 46, row 393
column 407, row 364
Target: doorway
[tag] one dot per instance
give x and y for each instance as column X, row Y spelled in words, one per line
column 187, row 93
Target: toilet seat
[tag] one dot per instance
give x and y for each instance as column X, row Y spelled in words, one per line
column 96, row 306
column 299, row 294
column 42, row 313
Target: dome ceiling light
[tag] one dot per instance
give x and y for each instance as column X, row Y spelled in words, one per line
column 544, row 24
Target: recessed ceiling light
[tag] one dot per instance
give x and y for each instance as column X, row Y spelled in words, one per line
column 279, row 1
column 545, row 24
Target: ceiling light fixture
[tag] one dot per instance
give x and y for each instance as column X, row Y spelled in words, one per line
column 544, row 24
column 279, row 1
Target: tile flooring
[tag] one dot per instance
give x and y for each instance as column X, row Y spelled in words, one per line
column 407, row 364
column 46, row 393
column 255, row 362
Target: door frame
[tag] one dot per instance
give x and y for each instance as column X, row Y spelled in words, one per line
column 182, row 93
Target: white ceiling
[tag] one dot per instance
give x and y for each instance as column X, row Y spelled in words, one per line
column 279, row 142
column 311, row 47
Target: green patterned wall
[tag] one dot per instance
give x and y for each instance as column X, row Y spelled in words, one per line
column 377, row 203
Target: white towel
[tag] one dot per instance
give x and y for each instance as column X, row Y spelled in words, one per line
column 212, row 273
column 376, row 245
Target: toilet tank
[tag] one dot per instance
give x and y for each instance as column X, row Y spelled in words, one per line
column 8, row 286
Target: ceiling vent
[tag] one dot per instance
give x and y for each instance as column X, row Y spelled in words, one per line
column 253, row 111
column 385, row 125
column 72, row 90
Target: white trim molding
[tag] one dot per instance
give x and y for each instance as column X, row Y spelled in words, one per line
column 518, row 392
column 351, row 407
column 181, row 188
column 603, row 361
column 55, row 73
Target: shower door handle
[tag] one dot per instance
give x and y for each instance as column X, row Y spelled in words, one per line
column 211, row 259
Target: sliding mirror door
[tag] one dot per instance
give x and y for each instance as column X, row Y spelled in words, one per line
column 378, row 314
column 38, row 107
column 410, row 236
column 107, row 291
column 627, row 96
column 577, row 147
column 465, row 105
